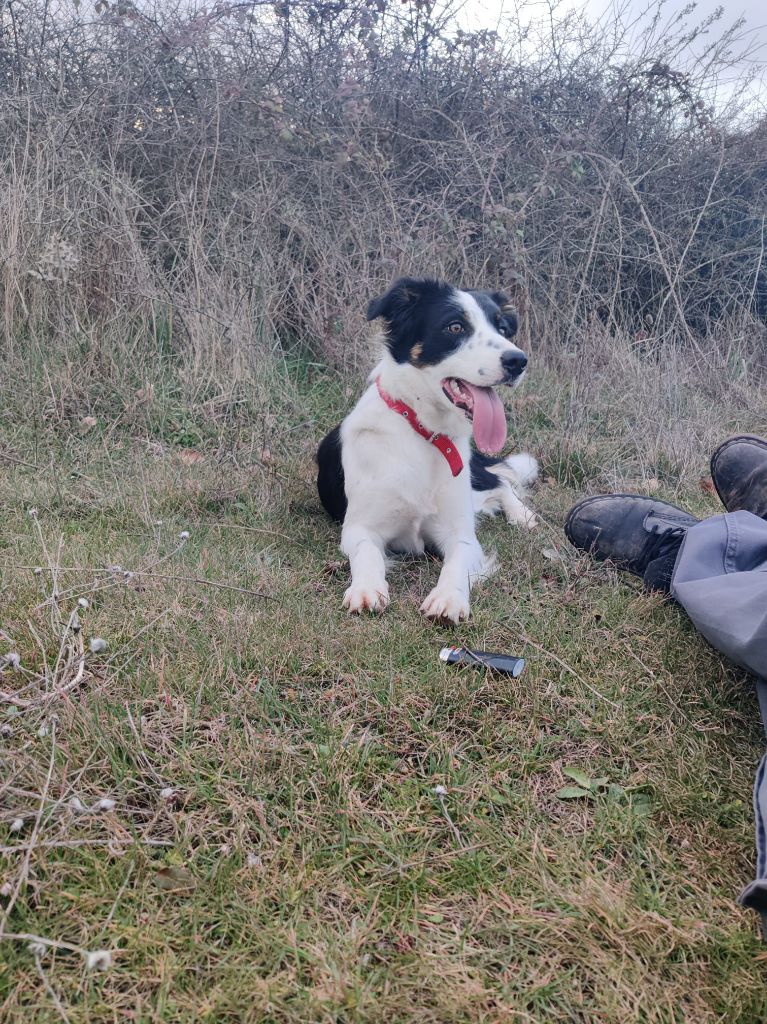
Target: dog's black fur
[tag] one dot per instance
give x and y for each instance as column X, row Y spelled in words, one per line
column 330, row 476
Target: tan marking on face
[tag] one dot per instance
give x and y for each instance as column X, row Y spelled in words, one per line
column 416, row 352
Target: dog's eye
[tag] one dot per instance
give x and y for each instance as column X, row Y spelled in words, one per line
column 501, row 327
column 456, row 327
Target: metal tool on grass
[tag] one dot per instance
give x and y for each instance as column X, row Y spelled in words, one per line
column 506, row 663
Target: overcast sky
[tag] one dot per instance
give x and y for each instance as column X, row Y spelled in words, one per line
column 752, row 44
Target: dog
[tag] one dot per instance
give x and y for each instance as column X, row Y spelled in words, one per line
column 399, row 471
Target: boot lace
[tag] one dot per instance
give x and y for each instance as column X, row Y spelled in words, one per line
column 661, row 541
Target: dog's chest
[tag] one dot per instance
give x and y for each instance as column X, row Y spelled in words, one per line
column 411, row 492
column 396, row 480
column 415, row 509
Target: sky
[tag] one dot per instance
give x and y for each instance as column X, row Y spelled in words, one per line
column 751, row 47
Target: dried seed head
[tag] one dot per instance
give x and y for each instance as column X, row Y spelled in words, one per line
column 98, row 960
column 167, row 793
column 105, row 804
column 37, row 948
column 440, row 790
column 56, row 261
column 17, row 825
column 98, row 645
column 83, row 602
column 77, row 805
column 184, row 535
column 12, row 660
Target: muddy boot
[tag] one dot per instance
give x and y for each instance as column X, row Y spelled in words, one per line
column 640, row 535
column 739, row 472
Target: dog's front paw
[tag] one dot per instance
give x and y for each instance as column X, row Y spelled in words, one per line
column 446, row 604
column 360, row 597
column 518, row 514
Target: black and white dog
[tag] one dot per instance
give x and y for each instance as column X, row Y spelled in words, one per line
column 399, row 471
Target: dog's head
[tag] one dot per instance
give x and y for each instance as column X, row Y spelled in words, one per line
column 461, row 341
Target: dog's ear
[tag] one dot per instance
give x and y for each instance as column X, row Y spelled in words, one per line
column 403, row 295
column 507, row 311
column 404, row 309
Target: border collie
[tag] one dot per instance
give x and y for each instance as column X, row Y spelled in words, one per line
column 399, row 472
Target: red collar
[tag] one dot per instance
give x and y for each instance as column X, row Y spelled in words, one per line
column 440, row 441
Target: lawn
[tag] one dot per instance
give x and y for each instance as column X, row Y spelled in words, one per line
column 265, row 810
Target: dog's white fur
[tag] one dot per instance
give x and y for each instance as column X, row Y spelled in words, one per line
column 400, row 491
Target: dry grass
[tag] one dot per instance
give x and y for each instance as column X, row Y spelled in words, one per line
column 245, row 178
column 303, row 867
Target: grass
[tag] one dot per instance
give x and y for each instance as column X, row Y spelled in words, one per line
column 304, row 866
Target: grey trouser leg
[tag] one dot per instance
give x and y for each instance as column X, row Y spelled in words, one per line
column 755, row 893
column 720, row 579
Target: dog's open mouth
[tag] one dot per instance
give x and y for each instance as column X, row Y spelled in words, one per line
column 483, row 408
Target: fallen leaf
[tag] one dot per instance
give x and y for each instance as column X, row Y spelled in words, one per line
column 88, row 423
column 572, row 793
column 175, row 878
column 577, row 775
column 653, row 485
column 641, row 804
column 495, row 796
column 190, row 457
column 552, row 554
column 707, row 485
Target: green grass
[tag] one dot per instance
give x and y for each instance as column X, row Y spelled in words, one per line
column 308, row 870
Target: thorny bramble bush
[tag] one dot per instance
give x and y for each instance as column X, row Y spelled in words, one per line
column 256, row 170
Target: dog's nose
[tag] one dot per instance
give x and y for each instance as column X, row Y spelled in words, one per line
column 513, row 363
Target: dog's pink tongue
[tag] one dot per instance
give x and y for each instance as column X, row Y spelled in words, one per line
column 489, row 420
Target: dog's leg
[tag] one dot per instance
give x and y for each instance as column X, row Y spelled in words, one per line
column 365, row 551
column 465, row 563
column 515, row 510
